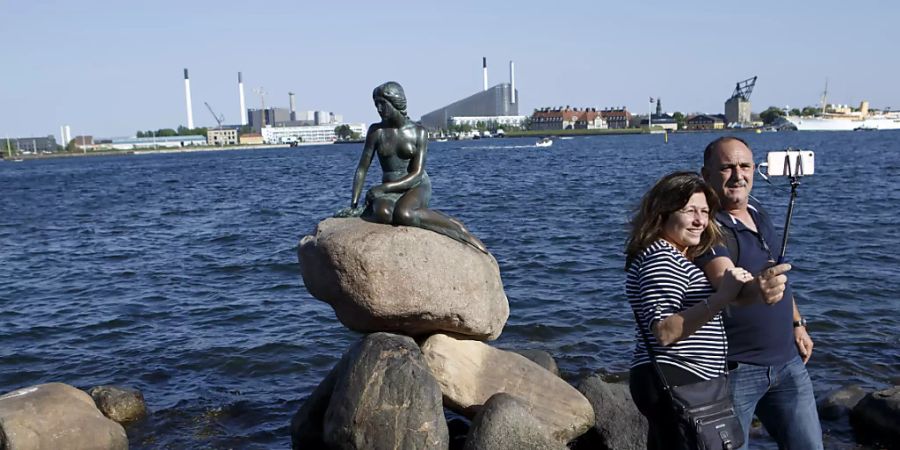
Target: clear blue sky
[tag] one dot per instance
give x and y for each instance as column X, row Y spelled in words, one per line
column 109, row 68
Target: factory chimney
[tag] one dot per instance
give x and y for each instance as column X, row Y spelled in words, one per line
column 68, row 135
column 484, row 70
column 512, row 82
column 293, row 106
column 187, row 100
column 241, row 95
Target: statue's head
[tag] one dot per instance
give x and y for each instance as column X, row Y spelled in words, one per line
column 393, row 93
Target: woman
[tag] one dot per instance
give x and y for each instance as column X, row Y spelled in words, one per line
column 405, row 190
column 675, row 307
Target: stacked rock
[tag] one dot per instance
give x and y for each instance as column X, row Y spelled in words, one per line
column 430, row 303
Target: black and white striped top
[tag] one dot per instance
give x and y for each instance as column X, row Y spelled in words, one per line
column 661, row 282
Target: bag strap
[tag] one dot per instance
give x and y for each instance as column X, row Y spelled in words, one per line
column 655, row 363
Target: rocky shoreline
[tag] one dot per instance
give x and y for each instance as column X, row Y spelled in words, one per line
column 423, row 376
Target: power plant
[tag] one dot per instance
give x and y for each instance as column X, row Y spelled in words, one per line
column 498, row 104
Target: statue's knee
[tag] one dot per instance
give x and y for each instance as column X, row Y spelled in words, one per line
column 382, row 213
column 405, row 217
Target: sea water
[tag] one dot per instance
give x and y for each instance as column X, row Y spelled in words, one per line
column 177, row 274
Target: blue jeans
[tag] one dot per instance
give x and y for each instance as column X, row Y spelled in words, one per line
column 782, row 397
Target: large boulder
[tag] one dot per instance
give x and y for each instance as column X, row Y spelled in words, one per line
column 876, row 418
column 403, row 279
column 56, row 416
column 471, row 372
column 308, row 423
column 618, row 424
column 385, row 398
column 121, row 404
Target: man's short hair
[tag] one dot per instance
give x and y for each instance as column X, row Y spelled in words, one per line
column 712, row 146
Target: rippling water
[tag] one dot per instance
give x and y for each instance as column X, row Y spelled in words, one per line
column 177, row 274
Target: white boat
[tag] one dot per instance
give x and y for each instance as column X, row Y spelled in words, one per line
column 544, row 142
column 842, row 118
column 840, row 122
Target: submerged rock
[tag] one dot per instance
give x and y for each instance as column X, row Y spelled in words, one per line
column 121, row 404
column 56, row 416
column 403, row 279
column 877, row 416
column 839, row 402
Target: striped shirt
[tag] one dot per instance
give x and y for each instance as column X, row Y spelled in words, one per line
column 661, row 282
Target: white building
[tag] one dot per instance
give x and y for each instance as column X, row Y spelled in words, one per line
column 314, row 134
column 498, row 121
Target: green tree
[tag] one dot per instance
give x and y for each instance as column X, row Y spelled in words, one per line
column 771, row 114
column 165, row 132
column 343, row 132
column 795, row 111
column 679, row 119
column 809, row 111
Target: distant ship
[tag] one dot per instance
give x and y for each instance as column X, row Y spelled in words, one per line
column 847, row 122
column 843, row 118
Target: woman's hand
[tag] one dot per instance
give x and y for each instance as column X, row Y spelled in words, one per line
column 733, row 280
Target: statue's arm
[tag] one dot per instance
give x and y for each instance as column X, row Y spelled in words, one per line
column 364, row 162
column 416, row 165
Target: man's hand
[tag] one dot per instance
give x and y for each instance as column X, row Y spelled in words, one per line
column 804, row 343
column 772, row 283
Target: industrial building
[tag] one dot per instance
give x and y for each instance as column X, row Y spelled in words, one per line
column 155, row 142
column 737, row 107
column 30, row 145
column 497, row 101
column 223, row 136
column 314, row 134
column 493, row 122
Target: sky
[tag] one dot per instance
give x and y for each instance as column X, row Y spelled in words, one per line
column 111, row 68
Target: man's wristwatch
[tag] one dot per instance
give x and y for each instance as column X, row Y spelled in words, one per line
column 800, row 323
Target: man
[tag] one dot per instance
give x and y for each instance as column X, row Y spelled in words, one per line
column 768, row 345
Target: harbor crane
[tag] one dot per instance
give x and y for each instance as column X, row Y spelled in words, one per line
column 219, row 118
column 744, row 89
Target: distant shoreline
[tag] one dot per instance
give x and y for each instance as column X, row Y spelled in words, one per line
column 151, row 151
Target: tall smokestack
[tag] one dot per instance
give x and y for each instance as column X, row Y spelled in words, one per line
column 62, row 136
column 512, row 82
column 241, row 95
column 293, row 106
column 484, row 70
column 68, row 131
column 187, row 100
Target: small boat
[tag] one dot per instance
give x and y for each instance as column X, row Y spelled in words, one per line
column 544, row 142
column 441, row 140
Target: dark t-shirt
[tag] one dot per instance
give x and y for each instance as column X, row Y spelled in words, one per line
column 757, row 334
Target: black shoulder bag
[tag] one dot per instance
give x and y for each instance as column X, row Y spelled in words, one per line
column 704, row 411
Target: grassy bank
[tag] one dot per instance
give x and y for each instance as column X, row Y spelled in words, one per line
column 580, row 132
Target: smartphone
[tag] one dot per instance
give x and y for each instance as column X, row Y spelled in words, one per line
column 793, row 163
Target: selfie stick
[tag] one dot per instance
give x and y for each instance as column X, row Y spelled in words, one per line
column 795, row 181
